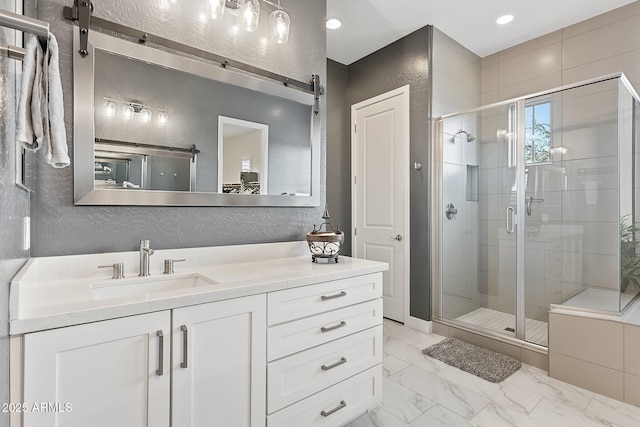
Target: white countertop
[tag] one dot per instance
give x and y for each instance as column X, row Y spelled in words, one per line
column 53, row 292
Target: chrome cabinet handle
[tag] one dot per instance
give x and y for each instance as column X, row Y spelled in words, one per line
column 398, row 238
column 326, row 297
column 510, row 224
column 332, row 328
column 160, row 370
column 334, row 410
column 185, row 342
column 342, row 361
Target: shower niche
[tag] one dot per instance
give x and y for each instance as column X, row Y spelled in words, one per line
column 545, row 191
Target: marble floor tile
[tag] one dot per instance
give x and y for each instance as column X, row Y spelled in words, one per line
column 413, row 355
column 613, row 412
column 377, row 417
column 391, row 365
column 453, row 397
column 402, row 402
column 440, row 416
column 419, row 391
column 557, row 414
column 496, row 415
column 504, row 393
column 538, row 381
column 416, row 338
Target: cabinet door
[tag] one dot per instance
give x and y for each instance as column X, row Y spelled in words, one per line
column 106, row 373
column 219, row 366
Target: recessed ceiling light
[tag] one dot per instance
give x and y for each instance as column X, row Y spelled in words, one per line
column 334, row 24
column 504, row 19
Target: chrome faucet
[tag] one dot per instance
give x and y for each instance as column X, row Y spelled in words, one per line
column 145, row 253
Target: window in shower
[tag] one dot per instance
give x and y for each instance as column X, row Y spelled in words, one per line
column 538, row 132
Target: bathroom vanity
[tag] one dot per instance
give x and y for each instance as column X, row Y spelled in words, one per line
column 250, row 335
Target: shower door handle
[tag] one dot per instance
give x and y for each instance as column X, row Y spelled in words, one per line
column 531, row 200
column 510, row 223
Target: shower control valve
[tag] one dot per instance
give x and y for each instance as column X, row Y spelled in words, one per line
column 451, row 211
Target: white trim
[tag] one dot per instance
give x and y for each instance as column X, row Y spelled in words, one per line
column 403, row 91
column 264, row 141
column 425, row 326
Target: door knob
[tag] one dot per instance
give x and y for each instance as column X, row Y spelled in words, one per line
column 398, row 238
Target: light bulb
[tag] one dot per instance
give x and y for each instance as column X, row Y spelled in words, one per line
column 162, row 118
column 250, row 11
column 145, row 115
column 216, row 8
column 280, row 23
column 109, row 109
column 127, row 112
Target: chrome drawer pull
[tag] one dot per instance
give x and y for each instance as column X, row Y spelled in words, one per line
column 326, row 297
column 331, row 328
column 334, row 410
column 185, row 342
column 341, row 362
column 160, row 370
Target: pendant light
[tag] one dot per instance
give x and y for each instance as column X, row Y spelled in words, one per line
column 250, row 11
column 280, row 23
column 216, row 9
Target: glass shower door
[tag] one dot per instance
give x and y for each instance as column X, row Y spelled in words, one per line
column 479, row 239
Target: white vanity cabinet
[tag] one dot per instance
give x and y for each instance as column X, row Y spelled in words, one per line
column 213, row 369
column 219, row 372
column 324, row 352
column 111, row 373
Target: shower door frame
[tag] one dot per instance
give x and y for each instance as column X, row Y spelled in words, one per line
column 437, row 213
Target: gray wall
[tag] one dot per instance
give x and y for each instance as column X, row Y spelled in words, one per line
column 339, row 150
column 406, row 61
column 14, row 205
column 61, row 228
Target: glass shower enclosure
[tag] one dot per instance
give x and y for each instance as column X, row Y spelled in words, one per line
column 535, row 205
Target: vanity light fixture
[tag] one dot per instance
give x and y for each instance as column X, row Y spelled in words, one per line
column 250, row 12
column 109, row 108
column 504, row 19
column 162, row 118
column 248, row 17
column 129, row 108
column 127, row 112
column 280, row 23
column 145, row 115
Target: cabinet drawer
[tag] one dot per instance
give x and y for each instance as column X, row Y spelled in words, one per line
column 333, row 406
column 295, row 377
column 302, row 334
column 291, row 304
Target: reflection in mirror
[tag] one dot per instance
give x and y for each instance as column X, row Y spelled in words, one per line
column 243, row 153
column 167, row 130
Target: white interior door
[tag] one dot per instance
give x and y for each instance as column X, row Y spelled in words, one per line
column 380, row 192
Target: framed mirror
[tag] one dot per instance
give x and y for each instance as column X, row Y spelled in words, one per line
column 155, row 128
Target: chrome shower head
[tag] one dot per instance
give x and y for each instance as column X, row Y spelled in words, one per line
column 470, row 137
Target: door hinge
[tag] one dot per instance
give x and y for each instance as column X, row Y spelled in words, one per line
column 355, row 128
column 355, row 231
column 355, row 180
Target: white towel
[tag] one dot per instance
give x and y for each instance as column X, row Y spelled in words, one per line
column 55, row 143
column 30, row 94
column 40, row 121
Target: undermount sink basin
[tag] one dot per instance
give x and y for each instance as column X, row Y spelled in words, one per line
column 146, row 285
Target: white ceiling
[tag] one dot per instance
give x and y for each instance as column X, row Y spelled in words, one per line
column 368, row 25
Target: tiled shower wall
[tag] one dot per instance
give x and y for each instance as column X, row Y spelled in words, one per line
column 457, row 87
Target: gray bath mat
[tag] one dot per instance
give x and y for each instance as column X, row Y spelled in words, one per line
column 486, row 364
